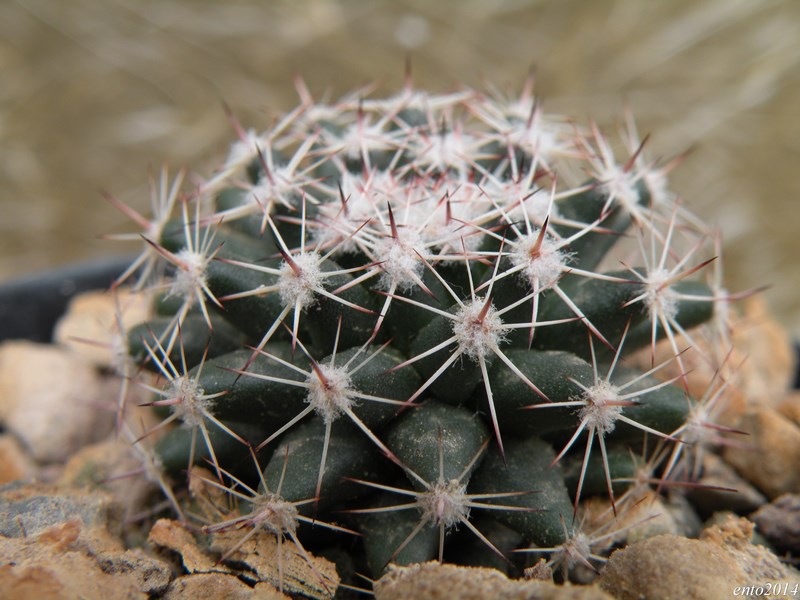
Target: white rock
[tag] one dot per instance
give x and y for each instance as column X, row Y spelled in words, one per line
column 53, row 401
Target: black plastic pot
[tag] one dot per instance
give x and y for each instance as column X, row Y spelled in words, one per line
column 30, row 306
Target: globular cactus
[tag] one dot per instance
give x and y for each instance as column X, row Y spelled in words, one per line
column 416, row 314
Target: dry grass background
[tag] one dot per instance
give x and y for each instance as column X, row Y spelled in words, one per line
column 93, row 93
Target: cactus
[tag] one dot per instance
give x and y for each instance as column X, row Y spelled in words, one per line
column 413, row 312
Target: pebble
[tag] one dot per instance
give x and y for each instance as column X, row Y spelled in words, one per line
column 434, row 581
column 305, row 575
column 256, row 557
column 217, row 586
column 152, row 575
column 90, row 328
column 671, row 567
column 779, row 522
column 53, row 565
column 15, row 464
column 645, row 516
column 53, row 401
column 789, row 407
column 28, row 510
column 769, row 456
column 767, row 355
column 173, row 536
column 113, row 467
column 761, row 367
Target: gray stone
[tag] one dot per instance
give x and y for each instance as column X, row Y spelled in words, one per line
column 153, row 575
column 779, row 522
column 26, row 510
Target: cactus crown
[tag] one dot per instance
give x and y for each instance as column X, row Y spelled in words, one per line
column 376, row 294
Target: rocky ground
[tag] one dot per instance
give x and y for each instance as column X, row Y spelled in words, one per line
column 79, row 520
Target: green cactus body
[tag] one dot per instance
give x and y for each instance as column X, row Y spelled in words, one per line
column 385, row 533
column 525, row 462
column 622, row 464
column 264, row 396
column 299, row 453
column 413, row 316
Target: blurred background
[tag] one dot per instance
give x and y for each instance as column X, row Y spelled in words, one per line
column 93, row 94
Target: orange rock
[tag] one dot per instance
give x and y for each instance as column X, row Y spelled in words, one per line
column 295, row 572
column 670, row 567
column 769, row 455
column 89, row 327
column 790, row 407
column 300, row 574
column 760, row 368
column 173, row 535
column 217, row 586
column 51, row 567
column 63, row 535
column 434, row 581
column 15, row 464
